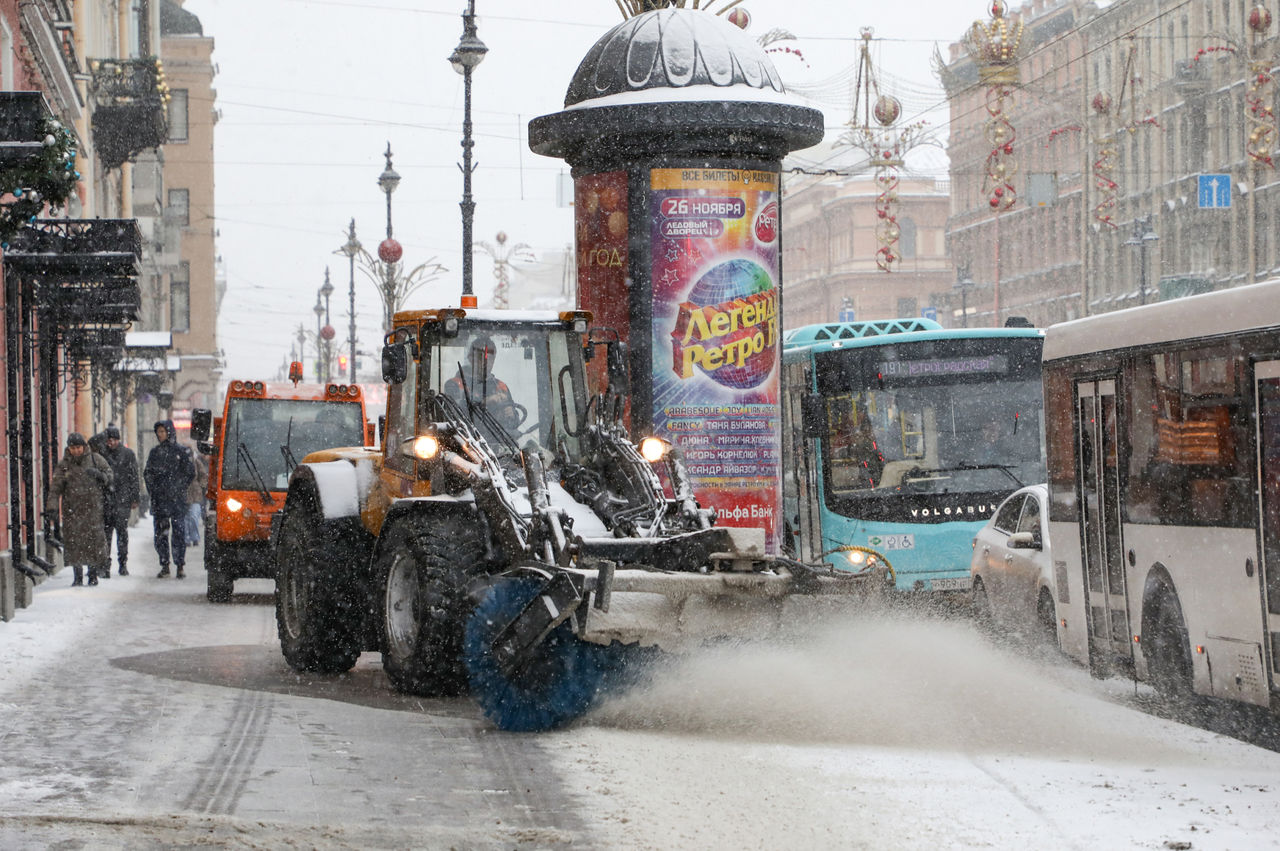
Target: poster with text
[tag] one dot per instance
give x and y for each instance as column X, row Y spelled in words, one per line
column 716, row 335
column 600, row 214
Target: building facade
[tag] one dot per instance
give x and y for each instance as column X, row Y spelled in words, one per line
column 829, row 250
column 1134, row 175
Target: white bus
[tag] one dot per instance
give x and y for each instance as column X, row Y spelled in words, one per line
column 1163, row 441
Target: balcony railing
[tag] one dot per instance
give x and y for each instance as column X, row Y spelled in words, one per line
column 130, row 115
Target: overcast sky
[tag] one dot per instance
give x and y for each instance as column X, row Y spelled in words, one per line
column 310, row 92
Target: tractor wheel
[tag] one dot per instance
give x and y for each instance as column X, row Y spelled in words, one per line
column 424, row 568
column 1168, row 656
column 220, row 585
column 317, row 618
column 555, row 688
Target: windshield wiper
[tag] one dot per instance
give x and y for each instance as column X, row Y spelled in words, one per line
column 286, row 449
column 926, row 475
column 242, row 451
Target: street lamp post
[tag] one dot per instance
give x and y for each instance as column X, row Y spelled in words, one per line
column 389, row 252
column 351, row 248
column 319, row 311
column 465, row 57
column 1142, row 234
column 327, row 291
column 963, row 283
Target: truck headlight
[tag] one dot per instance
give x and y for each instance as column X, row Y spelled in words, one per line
column 233, row 504
column 426, row 447
column 653, row 449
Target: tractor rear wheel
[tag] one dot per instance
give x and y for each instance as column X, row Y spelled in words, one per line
column 316, row 616
column 424, row 565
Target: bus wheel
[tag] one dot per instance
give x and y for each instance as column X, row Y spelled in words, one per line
column 1168, row 656
column 423, row 567
column 1046, row 619
column 318, row 626
column 219, row 583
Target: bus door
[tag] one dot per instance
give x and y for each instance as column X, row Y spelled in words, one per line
column 1267, row 399
column 1099, row 517
column 801, row 500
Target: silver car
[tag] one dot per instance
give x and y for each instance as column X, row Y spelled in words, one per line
column 1012, row 570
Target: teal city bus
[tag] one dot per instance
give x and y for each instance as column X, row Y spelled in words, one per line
column 901, row 438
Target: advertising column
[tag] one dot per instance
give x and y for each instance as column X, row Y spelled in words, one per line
column 714, row 267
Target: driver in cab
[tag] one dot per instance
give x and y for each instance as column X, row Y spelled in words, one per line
column 475, row 381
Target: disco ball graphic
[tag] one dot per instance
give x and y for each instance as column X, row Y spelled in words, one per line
column 720, row 287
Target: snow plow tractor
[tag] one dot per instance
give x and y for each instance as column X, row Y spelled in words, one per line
column 509, row 538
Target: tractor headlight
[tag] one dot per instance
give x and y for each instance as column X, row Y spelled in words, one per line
column 426, row 447
column 653, row 449
column 233, row 504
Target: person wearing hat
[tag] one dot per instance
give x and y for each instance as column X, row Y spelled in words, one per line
column 79, row 482
column 126, row 491
column 168, row 473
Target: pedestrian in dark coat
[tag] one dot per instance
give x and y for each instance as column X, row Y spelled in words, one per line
column 168, row 473
column 126, row 491
column 78, row 484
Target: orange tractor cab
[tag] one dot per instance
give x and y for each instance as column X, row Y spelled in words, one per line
column 264, row 430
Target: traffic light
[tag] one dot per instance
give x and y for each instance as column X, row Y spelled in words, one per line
column 342, row 364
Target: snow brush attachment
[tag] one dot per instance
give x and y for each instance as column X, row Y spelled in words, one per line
column 561, row 681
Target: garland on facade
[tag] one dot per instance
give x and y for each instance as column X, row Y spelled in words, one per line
column 48, row 177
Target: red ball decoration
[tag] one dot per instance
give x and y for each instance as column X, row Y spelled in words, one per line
column 740, row 18
column 327, row 333
column 389, row 251
column 1259, row 18
column 997, row 192
column 1008, row 149
column 995, row 202
column 886, row 110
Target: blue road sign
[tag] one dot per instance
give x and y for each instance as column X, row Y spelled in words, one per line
column 847, row 315
column 1214, row 191
column 929, row 313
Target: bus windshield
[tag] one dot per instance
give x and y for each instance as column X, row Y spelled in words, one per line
column 933, row 417
column 255, row 430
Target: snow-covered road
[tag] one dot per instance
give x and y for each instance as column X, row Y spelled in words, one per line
column 136, row 715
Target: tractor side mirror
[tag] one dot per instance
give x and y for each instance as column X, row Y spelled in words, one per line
column 201, row 424
column 395, row 363
column 619, row 374
column 813, row 414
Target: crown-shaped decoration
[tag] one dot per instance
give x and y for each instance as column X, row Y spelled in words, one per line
column 994, row 47
column 631, row 8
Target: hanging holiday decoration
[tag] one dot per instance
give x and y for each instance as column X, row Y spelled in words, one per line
column 1261, row 142
column 994, row 48
column 872, row 129
column 738, row 17
column 503, row 256
column 1104, row 162
column 47, row 176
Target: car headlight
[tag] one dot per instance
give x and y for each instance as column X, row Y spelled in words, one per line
column 653, row 449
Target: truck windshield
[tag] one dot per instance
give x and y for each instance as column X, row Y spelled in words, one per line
column 265, row 425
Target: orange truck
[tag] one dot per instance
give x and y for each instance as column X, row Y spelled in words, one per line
column 265, row 429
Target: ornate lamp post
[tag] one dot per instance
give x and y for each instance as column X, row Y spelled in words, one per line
column 319, row 311
column 327, row 332
column 351, row 248
column 466, row 56
column 963, row 283
column 389, row 251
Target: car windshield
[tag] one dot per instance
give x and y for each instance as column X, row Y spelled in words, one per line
column 255, row 430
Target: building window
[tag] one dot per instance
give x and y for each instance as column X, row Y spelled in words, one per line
column 907, row 238
column 180, row 299
column 7, row 83
column 178, row 115
column 180, row 206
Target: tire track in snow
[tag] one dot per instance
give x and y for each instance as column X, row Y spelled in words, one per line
column 223, row 780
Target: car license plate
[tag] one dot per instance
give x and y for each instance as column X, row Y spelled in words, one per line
column 959, row 583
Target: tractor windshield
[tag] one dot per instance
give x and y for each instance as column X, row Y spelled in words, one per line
column 528, row 379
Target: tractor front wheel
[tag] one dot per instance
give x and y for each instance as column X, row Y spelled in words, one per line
column 316, row 616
